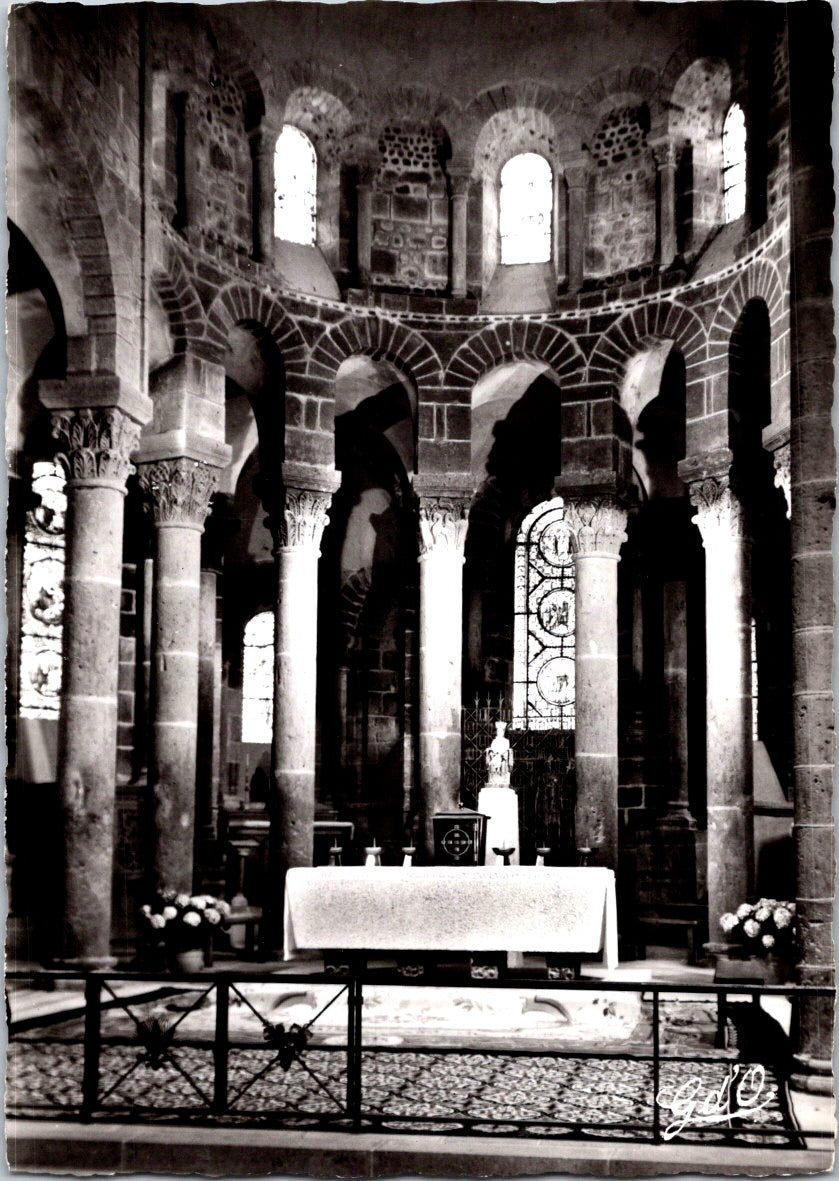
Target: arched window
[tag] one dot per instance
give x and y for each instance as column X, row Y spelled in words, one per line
column 258, row 678
column 544, row 626
column 525, row 208
column 295, row 187
column 43, row 595
column 734, row 163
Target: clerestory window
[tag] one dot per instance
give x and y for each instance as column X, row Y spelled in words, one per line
column 295, row 187
column 734, row 163
column 525, row 208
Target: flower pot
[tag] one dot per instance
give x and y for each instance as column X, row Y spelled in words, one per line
column 187, row 959
column 776, row 970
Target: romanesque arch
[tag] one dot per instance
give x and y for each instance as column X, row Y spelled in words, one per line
column 380, row 339
column 633, row 332
column 524, row 340
column 240, row 302
column 180, row 302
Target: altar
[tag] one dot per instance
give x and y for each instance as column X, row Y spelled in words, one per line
column 470, row 909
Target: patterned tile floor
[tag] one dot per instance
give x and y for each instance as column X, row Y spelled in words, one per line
column 402, row 1089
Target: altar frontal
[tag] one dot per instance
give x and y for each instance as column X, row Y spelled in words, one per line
column 567, row 911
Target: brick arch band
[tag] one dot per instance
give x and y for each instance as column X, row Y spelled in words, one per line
column 522, row 340
column 383, row 340
column 240, row 302
column 637, row 329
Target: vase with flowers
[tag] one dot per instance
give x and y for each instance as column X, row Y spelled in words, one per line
column 764, row 930
column 184, row 924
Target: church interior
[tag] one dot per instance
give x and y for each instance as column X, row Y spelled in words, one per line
column 380, row 373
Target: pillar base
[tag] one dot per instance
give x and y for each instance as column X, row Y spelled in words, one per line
column 814, row 1075
column 84, row 963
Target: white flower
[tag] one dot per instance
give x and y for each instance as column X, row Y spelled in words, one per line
column 223, row 907
column 212, row 916
column 762, row 914
column 192, row 919
column 199, row 903
column 145, row 909
column 751, row 928
column 790, row 907
column 782, row 918
column 169, row 912
column 157, row 921
column 728, row 922
column 182, row 900
column 768, row 940
column 744, row 910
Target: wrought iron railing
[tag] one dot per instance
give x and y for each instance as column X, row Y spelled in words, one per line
column 134, row 1050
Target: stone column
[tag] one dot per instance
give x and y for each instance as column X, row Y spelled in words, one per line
column 180, row 491
column 721, row 523
column 666, row 157
column 185, row 212
column 368, row 166
column 443, row 521
column 263, row 143
column 98, row 442
column 597, row 527
column 576, row 180
column 813, row 477
column 674, row 614
column 458, row 210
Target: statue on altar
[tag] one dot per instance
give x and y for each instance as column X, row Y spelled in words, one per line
column 499, row 758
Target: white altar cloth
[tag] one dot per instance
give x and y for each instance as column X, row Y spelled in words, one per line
column 452, row 908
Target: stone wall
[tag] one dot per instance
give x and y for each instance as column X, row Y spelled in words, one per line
column 411, row 210
column 622, row 195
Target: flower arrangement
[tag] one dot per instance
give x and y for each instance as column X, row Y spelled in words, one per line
column 765, row 927
column 184, row 920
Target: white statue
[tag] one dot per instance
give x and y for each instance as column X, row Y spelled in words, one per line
column 499, row 758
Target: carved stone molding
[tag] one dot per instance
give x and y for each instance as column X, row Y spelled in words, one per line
column 98, row 444
column 597, row 526
column 179, row 490
column 783, row 478
column 443, row 523
column 666, row 153
column 720, row 514
column 303, row 519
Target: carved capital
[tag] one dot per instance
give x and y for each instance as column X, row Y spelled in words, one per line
column 665, row 153
column 98, row 442
column 303, row 519
column 597, row 526
column 443, row 523
column 459, row 182
column 179, row 490
column 719, row 513
column 783, row 479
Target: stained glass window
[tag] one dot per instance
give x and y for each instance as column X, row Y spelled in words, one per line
column 545, row 623
column 43, row 595
column 525, row 209
column 258, row 679
column 295, row 187
column 734, row 163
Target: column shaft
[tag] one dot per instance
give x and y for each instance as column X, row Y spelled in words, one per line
column 364, row 230
column 209, row 707
column 665, row 153
column 729, row 697
column 596, row 739
column 813, row 499
column 443, row 531
column 180, row 491
column 99, row 442
column 176, row 610
column 459, row 205
column 262, row 157
column 88, row 730
column 596, row 536
column 576, row 233
column 297, row 518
